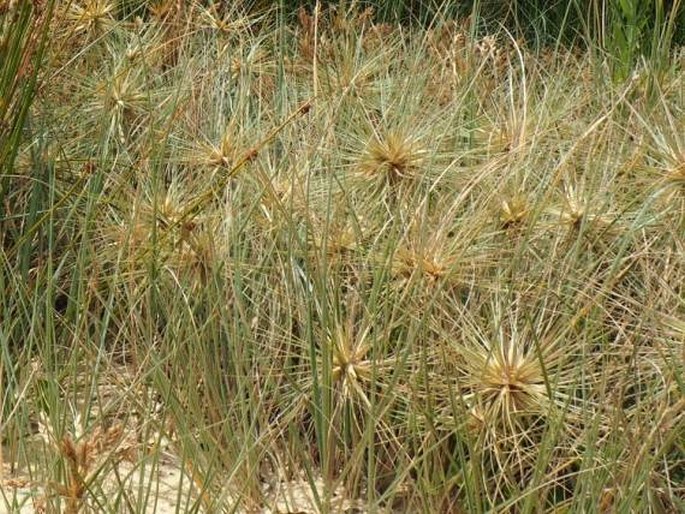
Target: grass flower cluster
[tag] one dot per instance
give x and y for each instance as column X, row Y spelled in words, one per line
column 335, row 265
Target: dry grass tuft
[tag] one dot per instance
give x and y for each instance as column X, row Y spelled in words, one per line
column 404, row 268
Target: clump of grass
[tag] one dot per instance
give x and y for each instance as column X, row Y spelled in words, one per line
column 411, row 269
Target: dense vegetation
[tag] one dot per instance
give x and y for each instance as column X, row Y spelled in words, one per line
column 407, row 259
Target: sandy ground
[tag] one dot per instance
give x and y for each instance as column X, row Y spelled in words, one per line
column 130, row 467
column 170, row 491
column 22, row 496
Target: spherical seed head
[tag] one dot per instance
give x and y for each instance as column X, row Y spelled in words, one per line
column 511, row 383
column 394, row 155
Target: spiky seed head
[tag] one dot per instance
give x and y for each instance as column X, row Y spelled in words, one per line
column 513, row 210
column 216, row 154
column 394, row 156
column 92, row 17
column 350, row 364
column 409, row 260
column 511, row 383
column 577, row 209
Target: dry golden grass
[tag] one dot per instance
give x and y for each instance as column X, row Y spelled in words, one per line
column 367, row 266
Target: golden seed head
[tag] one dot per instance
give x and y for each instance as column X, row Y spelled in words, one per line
column 395, row 156
column 513, row 210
